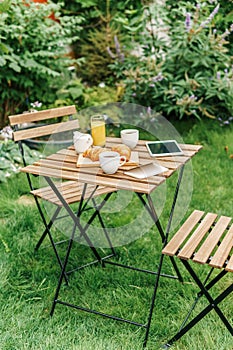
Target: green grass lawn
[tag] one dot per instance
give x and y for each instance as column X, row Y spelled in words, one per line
column 28, row 279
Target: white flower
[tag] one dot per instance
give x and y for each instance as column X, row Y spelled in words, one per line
column 102, row 85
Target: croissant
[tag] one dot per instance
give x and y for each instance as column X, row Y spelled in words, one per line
column 94, row 152
column 123, row 150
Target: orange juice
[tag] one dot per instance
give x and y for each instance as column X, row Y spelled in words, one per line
column 98, row 131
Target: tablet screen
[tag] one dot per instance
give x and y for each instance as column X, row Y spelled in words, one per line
column 162, row 148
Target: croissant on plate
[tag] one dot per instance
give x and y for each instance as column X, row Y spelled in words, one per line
column 123, row 150
column 94, row 152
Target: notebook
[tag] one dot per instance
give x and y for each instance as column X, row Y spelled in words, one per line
column 146, row 170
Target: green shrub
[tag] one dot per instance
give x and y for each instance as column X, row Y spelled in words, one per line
column 34, row 64
column 83, row 95
column 102, row 20
column 187, row 71
column 11, row 159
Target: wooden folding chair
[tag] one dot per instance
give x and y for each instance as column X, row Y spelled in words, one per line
column 204, row 239
column 71, row 190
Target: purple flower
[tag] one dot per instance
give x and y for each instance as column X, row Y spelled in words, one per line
column 117, row 45
column 211, row 16
column 158, row 77
column 226, row 33
column 218, row 75
column 110, row 52
column 121, row 57
column 188, row 22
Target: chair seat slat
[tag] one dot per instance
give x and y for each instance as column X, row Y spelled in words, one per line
column 71, row 191
column 223, row 250
column 189, row 248
column 176, row 241
column 212, row 240
column 229, row 266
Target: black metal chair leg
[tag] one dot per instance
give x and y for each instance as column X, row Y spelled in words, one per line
column 49, row 225
column 213, row 305
column 202, row 314
column 62, row 274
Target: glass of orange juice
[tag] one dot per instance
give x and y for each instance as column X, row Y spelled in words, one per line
column 98, row 131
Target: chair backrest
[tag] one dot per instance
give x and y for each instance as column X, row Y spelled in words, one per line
column 28, row 126
column 22, row 133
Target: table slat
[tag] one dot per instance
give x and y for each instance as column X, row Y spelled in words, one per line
column 96, row 170
column 95, row 179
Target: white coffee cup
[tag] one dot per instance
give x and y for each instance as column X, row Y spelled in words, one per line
column 130, row 137
column 110, row 161
column 82, row 141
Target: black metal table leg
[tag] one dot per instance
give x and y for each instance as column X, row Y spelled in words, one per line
column 165, row 238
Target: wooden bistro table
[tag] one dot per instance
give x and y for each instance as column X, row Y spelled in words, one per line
column 63, row 166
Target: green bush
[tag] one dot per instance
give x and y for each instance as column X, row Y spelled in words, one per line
column 185, row 72
column 83, row 95
column 34, row 63
column 11, row 159
column 102, row 20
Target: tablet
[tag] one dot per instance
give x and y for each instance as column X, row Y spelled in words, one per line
column 163, row 148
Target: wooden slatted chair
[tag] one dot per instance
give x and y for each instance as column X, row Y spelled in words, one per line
column 204, row 239
column 71, row 190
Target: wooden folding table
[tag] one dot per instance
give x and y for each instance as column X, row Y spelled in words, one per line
column 63, row 165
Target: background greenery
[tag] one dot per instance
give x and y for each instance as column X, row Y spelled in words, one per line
column 28, row 279
column 134, row 51
column 34, row 62
column 183, row 67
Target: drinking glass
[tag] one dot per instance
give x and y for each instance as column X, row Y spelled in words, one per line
column 98, row 131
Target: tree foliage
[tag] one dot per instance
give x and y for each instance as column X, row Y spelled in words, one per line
column 34, row 62
column 184, row 69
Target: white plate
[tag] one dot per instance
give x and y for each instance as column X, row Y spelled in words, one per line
column 146, row 170
column 86, row 162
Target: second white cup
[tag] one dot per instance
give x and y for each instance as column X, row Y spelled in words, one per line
column 130, row 137
column 110, row 161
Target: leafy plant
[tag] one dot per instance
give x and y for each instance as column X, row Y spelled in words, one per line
column 75, row 91
column 35, row 63
column 11, row 159
column 184, row 71
column 4, row 6
column 102, row 21
column 223, row 19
